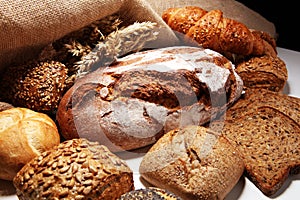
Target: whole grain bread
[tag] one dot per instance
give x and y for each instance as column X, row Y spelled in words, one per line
column 152, row 193
column 194, row 163
column 74, row 169
column 254, row 98
column 264, row 72
column 265, row 128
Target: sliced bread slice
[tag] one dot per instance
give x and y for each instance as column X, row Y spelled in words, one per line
column 269, row 142
column 255, row 98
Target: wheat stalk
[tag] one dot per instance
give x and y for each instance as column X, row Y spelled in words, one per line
column 116, row 44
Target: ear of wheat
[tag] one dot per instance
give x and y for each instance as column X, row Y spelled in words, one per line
column 118, row 43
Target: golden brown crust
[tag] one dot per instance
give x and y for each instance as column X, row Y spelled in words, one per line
column 194, row 163
column 75, row 169
column 211, row 30
column 24, row 135
column 182, row 20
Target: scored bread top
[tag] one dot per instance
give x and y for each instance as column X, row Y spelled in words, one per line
column 143, row 95
column 24, row 134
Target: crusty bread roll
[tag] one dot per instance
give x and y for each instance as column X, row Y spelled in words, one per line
column 133, row 102
column 75, row 169
column 194, row 163
column 24, row 134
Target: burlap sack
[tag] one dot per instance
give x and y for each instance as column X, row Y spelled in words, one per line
column 27, row 26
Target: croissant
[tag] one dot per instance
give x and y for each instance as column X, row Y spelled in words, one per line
column 211, row 30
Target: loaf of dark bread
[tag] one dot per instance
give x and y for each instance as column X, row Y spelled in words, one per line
column 265, row 128
column 133, row 102
column 194, row 163
column 263, row 72
column 255, row 98
column 38, row 86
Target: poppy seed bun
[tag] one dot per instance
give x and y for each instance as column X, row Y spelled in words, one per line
column 75, row 169
column 24, row 134
column 150, row 193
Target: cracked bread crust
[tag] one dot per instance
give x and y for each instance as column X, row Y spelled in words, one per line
column 137, row 99
column 194, row 163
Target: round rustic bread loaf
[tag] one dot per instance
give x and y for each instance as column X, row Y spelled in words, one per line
column 194, row 163
column 75, row 169
column 24, row 134
column 141, row 96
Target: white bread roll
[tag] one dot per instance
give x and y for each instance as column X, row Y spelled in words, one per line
column 24, row 134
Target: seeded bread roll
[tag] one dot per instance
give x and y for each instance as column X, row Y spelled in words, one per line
column 150, row 193
column 75, row 169
column 24, row 135
column 193, row 163
column 38, row 86
column 137, row 99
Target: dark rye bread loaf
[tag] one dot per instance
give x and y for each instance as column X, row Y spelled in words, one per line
column 265, row 128
column 133, row 102
column 193, row 162
column 264, row 72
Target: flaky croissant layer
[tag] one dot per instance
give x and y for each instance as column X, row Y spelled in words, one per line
column 212, row 30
